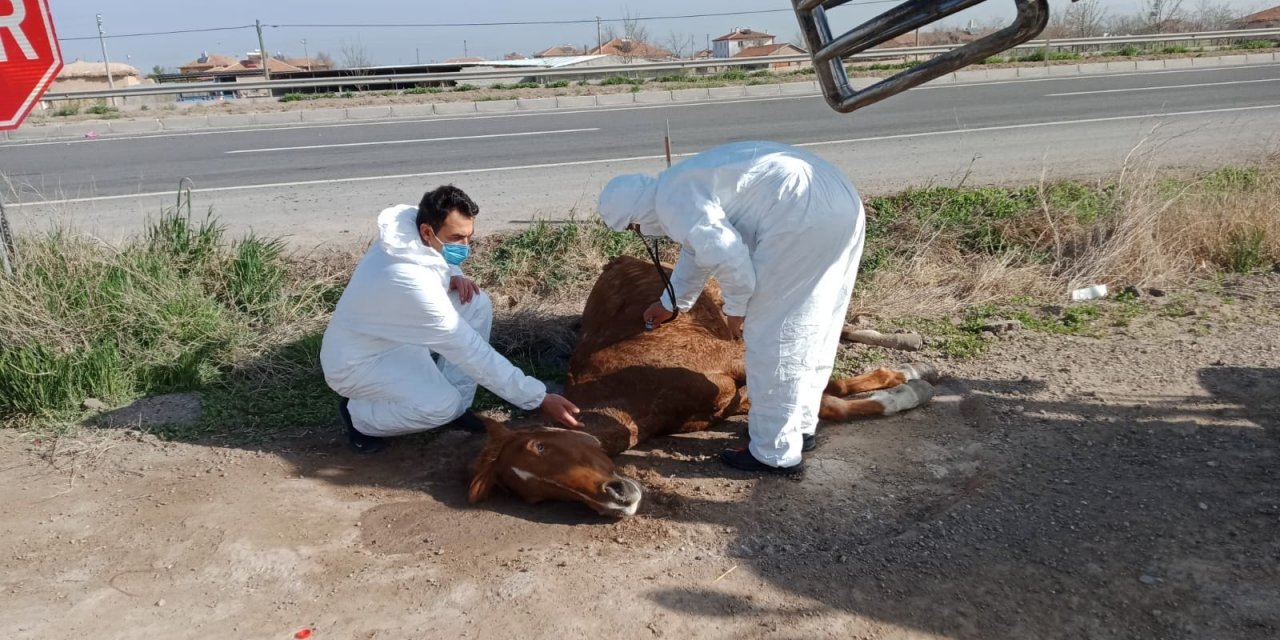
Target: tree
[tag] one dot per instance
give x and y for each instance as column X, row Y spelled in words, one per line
column 355, row 55
column 679, row 44
column 1082, row 19
column 1214, row 17
column 156, row 72
column 1159, row 13
column 632, row 35
column 324, row 59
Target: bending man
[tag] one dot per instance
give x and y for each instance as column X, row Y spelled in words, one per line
column 408, row 303
column 782, row 232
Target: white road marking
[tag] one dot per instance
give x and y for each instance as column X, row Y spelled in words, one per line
column 558, row 112
column 575, row 163
column 419, row 140
column 1162, row 88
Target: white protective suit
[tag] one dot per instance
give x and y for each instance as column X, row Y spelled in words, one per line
column 782, row 232
column 395, row 313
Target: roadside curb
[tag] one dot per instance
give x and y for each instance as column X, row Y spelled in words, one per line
column 94, row 128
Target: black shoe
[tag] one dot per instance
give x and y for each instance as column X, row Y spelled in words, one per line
column 468, row 422
column 742, row 460
column 810, row 443
column 360, row 442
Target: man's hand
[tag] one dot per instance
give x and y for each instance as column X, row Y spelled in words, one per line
column 735, row 326
column 655, row 315
column 466, row 288
column 558, row 408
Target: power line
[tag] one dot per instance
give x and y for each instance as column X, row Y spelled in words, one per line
column 465, row 24
column 159, row 33
column 527, row 22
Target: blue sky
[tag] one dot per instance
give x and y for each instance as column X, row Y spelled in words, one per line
column 75, row 18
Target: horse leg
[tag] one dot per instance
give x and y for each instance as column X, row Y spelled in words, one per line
column 731, row 400
column 882, row 378
column 884, row 402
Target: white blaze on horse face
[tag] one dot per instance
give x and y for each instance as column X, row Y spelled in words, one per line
column 13, row 24
column 629, row 510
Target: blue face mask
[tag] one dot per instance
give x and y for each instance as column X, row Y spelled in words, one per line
column 455, row 254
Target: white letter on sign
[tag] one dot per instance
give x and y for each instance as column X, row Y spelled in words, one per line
column 13, row 24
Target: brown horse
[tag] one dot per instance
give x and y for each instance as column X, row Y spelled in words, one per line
column 633, row 384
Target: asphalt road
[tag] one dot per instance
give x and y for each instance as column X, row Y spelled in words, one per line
column 319, row 183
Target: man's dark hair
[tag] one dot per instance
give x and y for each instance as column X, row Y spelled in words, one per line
column 437, row 204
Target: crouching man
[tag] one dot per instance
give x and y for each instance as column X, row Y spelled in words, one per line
column 409, row 339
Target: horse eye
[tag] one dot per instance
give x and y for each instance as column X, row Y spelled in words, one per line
column 542, row 448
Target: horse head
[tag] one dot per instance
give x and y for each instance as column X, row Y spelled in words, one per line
column 548, row 463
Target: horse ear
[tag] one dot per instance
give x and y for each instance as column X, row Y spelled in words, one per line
column 485, row 475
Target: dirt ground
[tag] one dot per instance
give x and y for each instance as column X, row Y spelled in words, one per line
column 1057, row 487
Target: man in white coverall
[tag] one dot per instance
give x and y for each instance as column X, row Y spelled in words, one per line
column 407, row 302
column 782, row 232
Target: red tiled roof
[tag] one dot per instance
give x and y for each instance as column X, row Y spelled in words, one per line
column 560, row 51
column 786, row 48
column 742, row 34
column 1266, row 15
column 627, row 48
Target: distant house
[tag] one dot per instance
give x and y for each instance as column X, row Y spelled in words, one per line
column 309, row 64
column 464, row 60
column 206, row 62
column 253, row 62
column 627, row 48
column 703, row 55
column 1266, row 19
column 515, row 56
column 734, row 42
column 769, row 50
column 92, row 76
column 562, row 51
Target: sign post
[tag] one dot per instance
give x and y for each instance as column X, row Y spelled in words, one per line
column 29, row 58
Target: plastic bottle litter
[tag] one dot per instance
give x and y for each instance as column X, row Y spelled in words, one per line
column 1094, row 292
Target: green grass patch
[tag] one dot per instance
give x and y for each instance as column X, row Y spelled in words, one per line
column 66, row 110
column 1255, row 44
column 423, row 90
column 615, row 80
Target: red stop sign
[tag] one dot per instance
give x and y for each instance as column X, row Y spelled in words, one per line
column 29, row 58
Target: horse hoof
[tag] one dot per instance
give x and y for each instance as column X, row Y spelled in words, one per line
column 919, row 371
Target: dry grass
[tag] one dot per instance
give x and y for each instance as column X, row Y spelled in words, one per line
column 935, row 252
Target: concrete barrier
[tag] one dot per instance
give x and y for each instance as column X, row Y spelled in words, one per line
column 412, row 110
column 324, row 115
column 135, row 126
column 535, row 104
column 575, row 102
column 726, row 92
column 689, row 95
column 185, row 123
column 234, row 120
column 614, row 99
column 651, row 97
column 496, row 106
column 278, row 117
column 454, row 108
column 369, row 113
column 763, row 90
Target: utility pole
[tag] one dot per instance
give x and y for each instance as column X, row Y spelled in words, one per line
column 106, row 63
column 262, row 51
column 306, row 54
column 417, row 55
column 599, row 38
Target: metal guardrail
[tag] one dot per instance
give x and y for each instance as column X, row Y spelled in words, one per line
column 373, row 82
